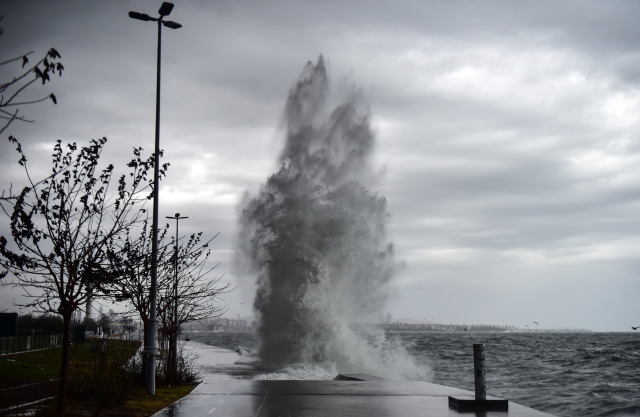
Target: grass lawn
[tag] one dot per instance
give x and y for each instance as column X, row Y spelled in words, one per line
column 143, row 405
column 38, row 365
column 43, row 365
column 139, row 403
column 28, row 367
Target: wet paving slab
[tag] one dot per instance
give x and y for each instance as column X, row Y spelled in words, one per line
column 223, row 394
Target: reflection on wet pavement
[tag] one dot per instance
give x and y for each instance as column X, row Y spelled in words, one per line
column 226, row 391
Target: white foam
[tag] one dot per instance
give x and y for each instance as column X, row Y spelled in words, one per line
column 299, row 372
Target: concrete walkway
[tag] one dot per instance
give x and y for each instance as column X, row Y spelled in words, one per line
column 226, row 391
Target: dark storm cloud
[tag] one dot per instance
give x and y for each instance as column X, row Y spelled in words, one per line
column 508, row 131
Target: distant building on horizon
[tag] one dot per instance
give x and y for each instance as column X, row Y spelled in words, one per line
column 76, row 315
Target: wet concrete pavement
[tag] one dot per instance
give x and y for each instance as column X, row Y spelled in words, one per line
column 222, row 394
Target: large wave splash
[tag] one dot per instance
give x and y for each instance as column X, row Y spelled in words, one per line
column 314, row 237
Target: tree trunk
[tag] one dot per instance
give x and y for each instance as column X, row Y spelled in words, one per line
column 173, row 357
column 64, row 367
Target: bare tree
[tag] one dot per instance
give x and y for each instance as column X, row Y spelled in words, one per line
column 131, row 260
column 9, row 107
column 62, row 228
column 191, row 297
column 105, row 321
column 11, row 198
column 128, row 326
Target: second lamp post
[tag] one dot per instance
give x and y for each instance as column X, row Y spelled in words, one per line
column 173, row 349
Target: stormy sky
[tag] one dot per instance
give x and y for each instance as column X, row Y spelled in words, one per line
column 508, row 134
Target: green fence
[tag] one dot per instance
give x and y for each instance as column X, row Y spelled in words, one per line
column 24, row 343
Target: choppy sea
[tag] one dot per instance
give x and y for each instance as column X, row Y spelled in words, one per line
column 564, row 374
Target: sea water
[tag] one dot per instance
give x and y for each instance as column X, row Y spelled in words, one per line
column 564, row 374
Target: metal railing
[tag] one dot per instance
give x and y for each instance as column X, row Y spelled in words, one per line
column 24, row 343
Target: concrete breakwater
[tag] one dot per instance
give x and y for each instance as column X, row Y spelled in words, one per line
column 228, row 390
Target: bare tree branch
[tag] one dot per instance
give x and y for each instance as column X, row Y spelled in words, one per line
column 185, row 294
column 63, row 227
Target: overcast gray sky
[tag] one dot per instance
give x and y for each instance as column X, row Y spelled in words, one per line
column 508, row 132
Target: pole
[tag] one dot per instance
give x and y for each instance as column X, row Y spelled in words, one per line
column 478, row 371
column 174, row 342
column 173, row 348
column 150, row 335
column 172, row 345
column 151, row 329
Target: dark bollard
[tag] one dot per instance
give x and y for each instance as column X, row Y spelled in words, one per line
column 478, row 372
column 480, row 402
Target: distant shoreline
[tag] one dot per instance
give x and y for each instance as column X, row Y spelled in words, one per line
column 430, row 327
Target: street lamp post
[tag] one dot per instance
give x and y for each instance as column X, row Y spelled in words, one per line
column 151, row 329
column 174, row 342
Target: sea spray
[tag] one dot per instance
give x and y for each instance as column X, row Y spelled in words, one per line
column 314, row 238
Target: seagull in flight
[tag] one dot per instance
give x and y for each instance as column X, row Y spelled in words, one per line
column 635, row 328
column 536, row 323
column 242, row 302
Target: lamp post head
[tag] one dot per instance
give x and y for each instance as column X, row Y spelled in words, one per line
column 171, row 25
column 165, row 9
column 140, row 16
column 177, row 217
